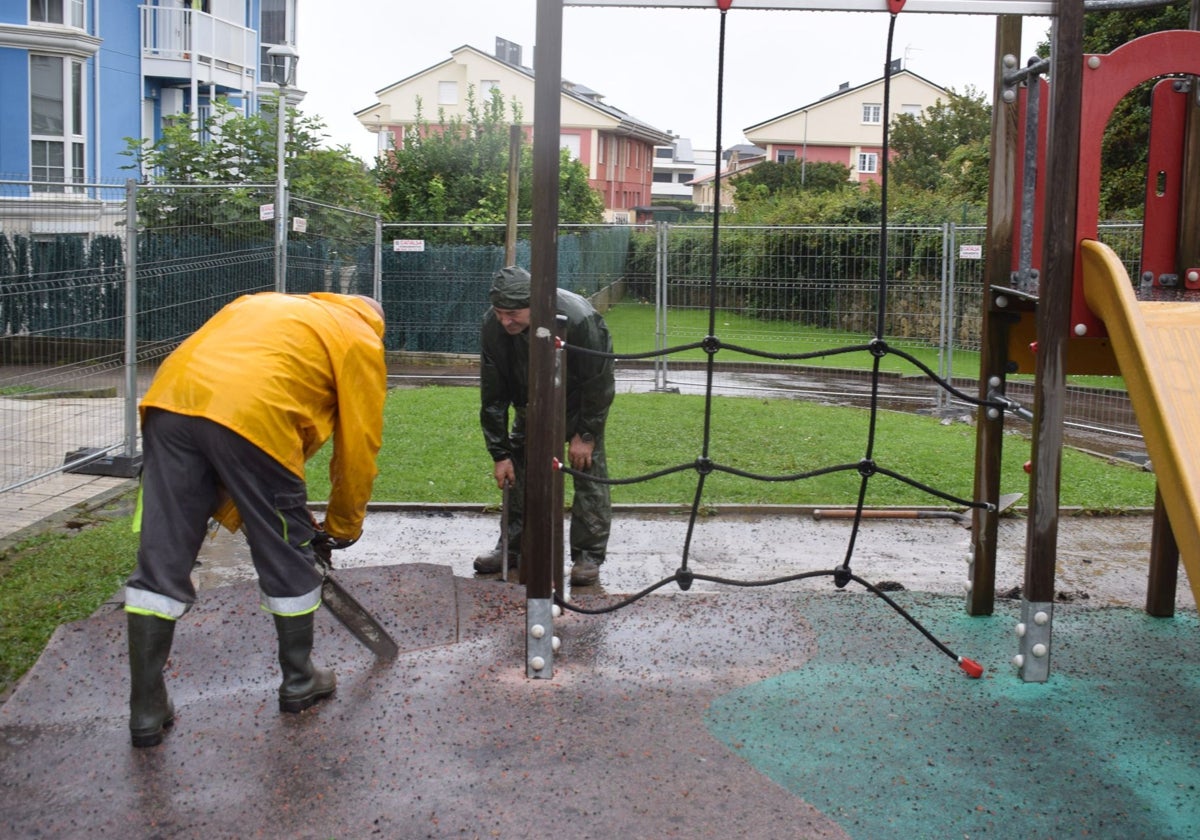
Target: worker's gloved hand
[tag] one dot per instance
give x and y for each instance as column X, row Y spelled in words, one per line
column 337, row 542
column 333, row 543
column 322, row 539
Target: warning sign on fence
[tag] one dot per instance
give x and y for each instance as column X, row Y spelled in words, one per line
column 970, row 252
column 408, row 244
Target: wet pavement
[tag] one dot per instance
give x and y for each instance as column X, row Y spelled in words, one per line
column 1103, row 560
column 794, row 710
column 798, row 710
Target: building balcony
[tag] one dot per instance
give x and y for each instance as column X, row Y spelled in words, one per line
column 183, row 44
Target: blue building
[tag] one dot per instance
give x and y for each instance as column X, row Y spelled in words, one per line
column 78, row 77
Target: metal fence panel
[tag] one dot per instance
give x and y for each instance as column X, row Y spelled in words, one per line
column 330, row 249
column 78, row 348
column 435, row 277
column 62, row 316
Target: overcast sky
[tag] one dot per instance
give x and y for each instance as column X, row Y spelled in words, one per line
column 658, row 65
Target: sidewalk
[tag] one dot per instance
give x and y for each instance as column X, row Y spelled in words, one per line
column 33, row 508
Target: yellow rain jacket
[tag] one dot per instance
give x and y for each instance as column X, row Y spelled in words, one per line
column 285, row 372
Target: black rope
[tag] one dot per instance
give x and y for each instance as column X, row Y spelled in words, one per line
column 877, row 347
column 711, row 344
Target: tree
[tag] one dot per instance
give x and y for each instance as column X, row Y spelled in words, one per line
column 769, row 179
column 945, row 149
column 237, row 150
column 456, row 170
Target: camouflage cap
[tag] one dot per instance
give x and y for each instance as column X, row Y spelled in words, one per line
column 510, row 288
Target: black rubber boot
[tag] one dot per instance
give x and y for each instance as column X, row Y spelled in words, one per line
column 150, row 709
column 492, row 562
column 303, row 683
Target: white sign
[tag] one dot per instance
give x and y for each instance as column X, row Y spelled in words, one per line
column 266, row 212
column 970, row 252
column 299, row 224
column 408, row 244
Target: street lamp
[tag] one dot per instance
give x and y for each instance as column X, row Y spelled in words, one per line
column 283, row 59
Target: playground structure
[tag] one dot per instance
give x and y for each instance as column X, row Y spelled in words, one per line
column 1057, row 329
column 1068, row 307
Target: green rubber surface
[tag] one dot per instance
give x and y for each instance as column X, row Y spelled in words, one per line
column 893, row 740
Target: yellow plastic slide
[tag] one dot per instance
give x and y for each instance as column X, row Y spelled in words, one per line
column 1157, row 345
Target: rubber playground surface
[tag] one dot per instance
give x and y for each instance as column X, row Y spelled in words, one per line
column 714, row 713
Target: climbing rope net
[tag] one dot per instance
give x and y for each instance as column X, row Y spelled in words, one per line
column 866, row 467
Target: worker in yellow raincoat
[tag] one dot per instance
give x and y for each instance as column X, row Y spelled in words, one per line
column 228, row 423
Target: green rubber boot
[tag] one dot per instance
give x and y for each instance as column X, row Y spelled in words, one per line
column 150, row 709
column 303, row 683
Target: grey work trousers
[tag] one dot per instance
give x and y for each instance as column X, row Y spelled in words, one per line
column 187, row 462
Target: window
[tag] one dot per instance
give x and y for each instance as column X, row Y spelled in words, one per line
column 872, row 113
column 277, row 28
column 570, row 142
column 662, row 178
column 664, row 152
column 912, row 110
column 56, row 120
column 489, row 85
column 274, row 27
column 785, row 155
column 447, row 93
column 69, row 12
column 868, row 162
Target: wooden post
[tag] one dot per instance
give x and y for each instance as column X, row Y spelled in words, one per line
column 544, row 415
column 989, row 432
column 1189, row 211
column 1053, row 314
column 514, row 194
column 1164, row 550
column 1163, row 580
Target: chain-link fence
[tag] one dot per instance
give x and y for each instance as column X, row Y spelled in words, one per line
column 85, row 317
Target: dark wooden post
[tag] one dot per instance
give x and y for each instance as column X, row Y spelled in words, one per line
column 544, row 414
column 1053, row 314
column 1163, row 579
column 989, row 431
column 514, row 183
column 1189, row 228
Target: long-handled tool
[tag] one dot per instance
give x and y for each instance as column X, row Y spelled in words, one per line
column 963, row 519
column 345, row 608
column 504, row 532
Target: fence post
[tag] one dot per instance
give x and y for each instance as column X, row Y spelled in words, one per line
column 952, row 277
column 131, row 313
column 939, row 394
column 660, row 304
column 377, row 269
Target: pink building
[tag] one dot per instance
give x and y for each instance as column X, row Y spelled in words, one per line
column 616, row 148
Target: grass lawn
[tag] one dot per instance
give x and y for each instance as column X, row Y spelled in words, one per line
column 633, row 327
column 433, row 452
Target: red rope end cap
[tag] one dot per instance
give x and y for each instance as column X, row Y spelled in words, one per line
column 972, row 668
column 894, row 6
column 556, row 464
column 724, row 5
